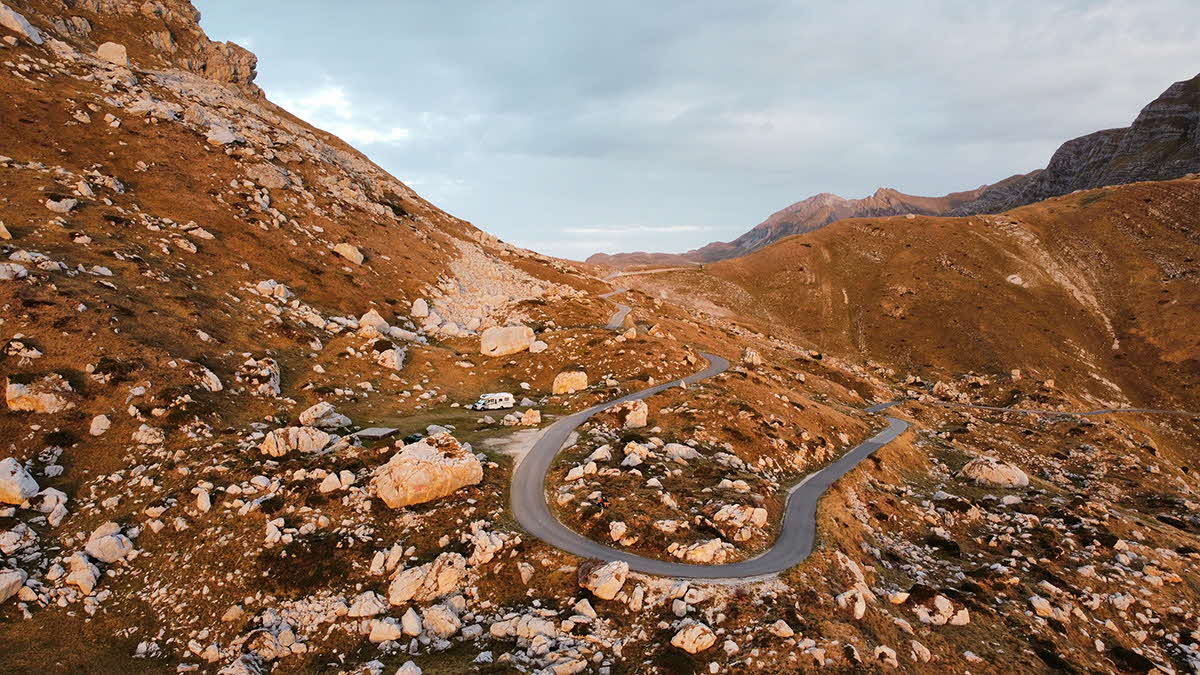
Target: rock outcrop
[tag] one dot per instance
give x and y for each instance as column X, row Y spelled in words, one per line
column 694, row 638
column 50, row 394
column 426, row 582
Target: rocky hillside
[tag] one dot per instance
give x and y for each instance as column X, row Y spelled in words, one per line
column 1012, row 541
column 1094, row 290
column 237, row 359
column 1162, row 143
column 219, row 326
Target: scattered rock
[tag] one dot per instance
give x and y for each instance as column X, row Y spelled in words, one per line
column 17, row 23
column 429, row 581
column 108, row 544
column 324, row 416
column 100, row 424
column 349, row 252
column 631, row 414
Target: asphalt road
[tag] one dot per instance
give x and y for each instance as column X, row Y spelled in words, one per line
column 798, row 530
column 797, row 533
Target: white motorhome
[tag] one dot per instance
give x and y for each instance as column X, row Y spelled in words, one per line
column 497, row 401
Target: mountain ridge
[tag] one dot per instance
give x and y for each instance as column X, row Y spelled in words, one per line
column 1161, row 143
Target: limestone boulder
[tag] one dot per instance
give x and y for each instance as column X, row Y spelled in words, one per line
column 14, row 21
column 108, row 544
column 323, row 416
column 694, row 638
column 16, row 485
column 751, row 357
column 280, row 442
column 569, row 382
column 349, row 252
column 502, row 341
column 631, row 414
column 440, row 621
column 114, row 53
column 11, row 581
column 443, row 576
column 429, row 469
column 709, row 552
column 605, row 580
column 993, row 472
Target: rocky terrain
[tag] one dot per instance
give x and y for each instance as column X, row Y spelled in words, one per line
column 237, row 357
column 1162, row 143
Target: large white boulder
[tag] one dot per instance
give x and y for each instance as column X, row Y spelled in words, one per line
column 383, row 630
column 114, row 53
column 373, row 319
column 108, row 544
column 11, row 581
column 429, row 469
column 710, row 552
column 569, row 382
column 993, row 472
column 305, row 439
column 694, row 638
column 440, row 621
column 349, row 252
column 16, row 485
column 740, row 522
column 751, row 357
column 323, row 415
column 502, row 341
column 100, row 424
column 603, row 579
column 429, row 581
column 631, row 414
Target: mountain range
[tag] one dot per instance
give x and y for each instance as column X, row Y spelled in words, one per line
column 1163, row 142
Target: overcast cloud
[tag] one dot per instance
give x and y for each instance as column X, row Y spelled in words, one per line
column 573, row 127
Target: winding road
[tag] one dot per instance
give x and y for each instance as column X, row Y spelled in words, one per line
column 796, row 534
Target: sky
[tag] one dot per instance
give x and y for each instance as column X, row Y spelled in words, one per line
column 580, row 127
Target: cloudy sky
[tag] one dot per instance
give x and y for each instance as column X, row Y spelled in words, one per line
column 573, row 127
